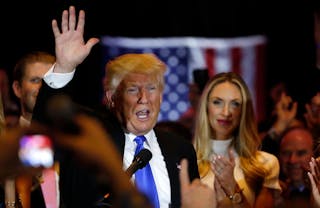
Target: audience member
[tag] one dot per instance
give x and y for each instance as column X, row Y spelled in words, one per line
column 133, row 90
column 227, row 145
column 274, row 96
column 27, row 80
column 296, row 150
column 285, row 117
column 312, row 117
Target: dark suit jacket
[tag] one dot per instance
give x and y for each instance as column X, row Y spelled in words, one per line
column 174, row 149
column 78, row 187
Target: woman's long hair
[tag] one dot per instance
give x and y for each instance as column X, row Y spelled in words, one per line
column 246, row 140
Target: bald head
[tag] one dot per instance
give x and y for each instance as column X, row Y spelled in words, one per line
column 296, row 150
column 299, row 137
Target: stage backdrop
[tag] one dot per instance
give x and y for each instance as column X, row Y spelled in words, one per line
column 244, row 55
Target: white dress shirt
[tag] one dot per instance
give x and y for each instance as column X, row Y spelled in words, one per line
column 57, row 80
column 157, row 164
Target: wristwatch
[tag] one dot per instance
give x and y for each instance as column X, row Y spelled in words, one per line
column 236, row 198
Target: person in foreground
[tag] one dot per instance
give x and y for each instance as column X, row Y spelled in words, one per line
column 133, row 92
column 227, row 145
column 89, row 147
column 195, row 193
column 94, row 149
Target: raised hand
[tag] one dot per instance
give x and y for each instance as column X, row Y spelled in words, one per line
column 285, row 113
column 70, row 47
column 195, row 194
column 314, row 177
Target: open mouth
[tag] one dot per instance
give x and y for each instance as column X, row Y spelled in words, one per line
column 143, row 114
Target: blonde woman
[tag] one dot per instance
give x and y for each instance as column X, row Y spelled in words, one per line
column 227, row 145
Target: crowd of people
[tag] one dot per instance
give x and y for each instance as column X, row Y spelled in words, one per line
column 223, row 161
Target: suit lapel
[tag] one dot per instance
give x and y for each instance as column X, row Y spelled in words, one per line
column 169, row 152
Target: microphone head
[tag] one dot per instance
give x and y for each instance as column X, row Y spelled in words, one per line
column 142, row 158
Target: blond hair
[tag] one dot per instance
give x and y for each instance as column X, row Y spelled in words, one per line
column 245, row 141
column 118, row 68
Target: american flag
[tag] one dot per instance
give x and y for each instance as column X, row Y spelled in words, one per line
column 244, row 55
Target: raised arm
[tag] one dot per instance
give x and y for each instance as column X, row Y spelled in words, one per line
column 70, row 46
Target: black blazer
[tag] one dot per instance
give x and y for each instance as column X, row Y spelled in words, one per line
column 174, row 149
column 78, row 187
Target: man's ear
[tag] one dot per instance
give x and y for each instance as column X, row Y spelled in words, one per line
column 109, row 98
column 16, row 88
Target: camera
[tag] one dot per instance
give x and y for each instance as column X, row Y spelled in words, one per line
column 36, row 150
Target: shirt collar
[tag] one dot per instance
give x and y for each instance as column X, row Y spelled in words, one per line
column 149, row 136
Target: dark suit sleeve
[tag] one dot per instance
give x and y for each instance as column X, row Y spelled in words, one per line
column 78, row 187
column 174, row 148
column 44, row 96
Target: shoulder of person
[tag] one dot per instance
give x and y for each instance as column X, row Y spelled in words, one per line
column 267, row 159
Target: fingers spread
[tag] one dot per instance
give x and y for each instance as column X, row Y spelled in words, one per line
column 81, row 21
column 55, row 28
column 64, row 21
column 72, row 18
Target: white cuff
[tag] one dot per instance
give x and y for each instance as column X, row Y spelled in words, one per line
column 57, row 80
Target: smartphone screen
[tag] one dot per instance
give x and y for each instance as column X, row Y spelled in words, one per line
column 36, row 150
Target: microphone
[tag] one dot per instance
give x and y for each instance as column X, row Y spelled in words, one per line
column 139, row 161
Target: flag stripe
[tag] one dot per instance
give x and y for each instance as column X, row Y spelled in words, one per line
column 209, row 54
